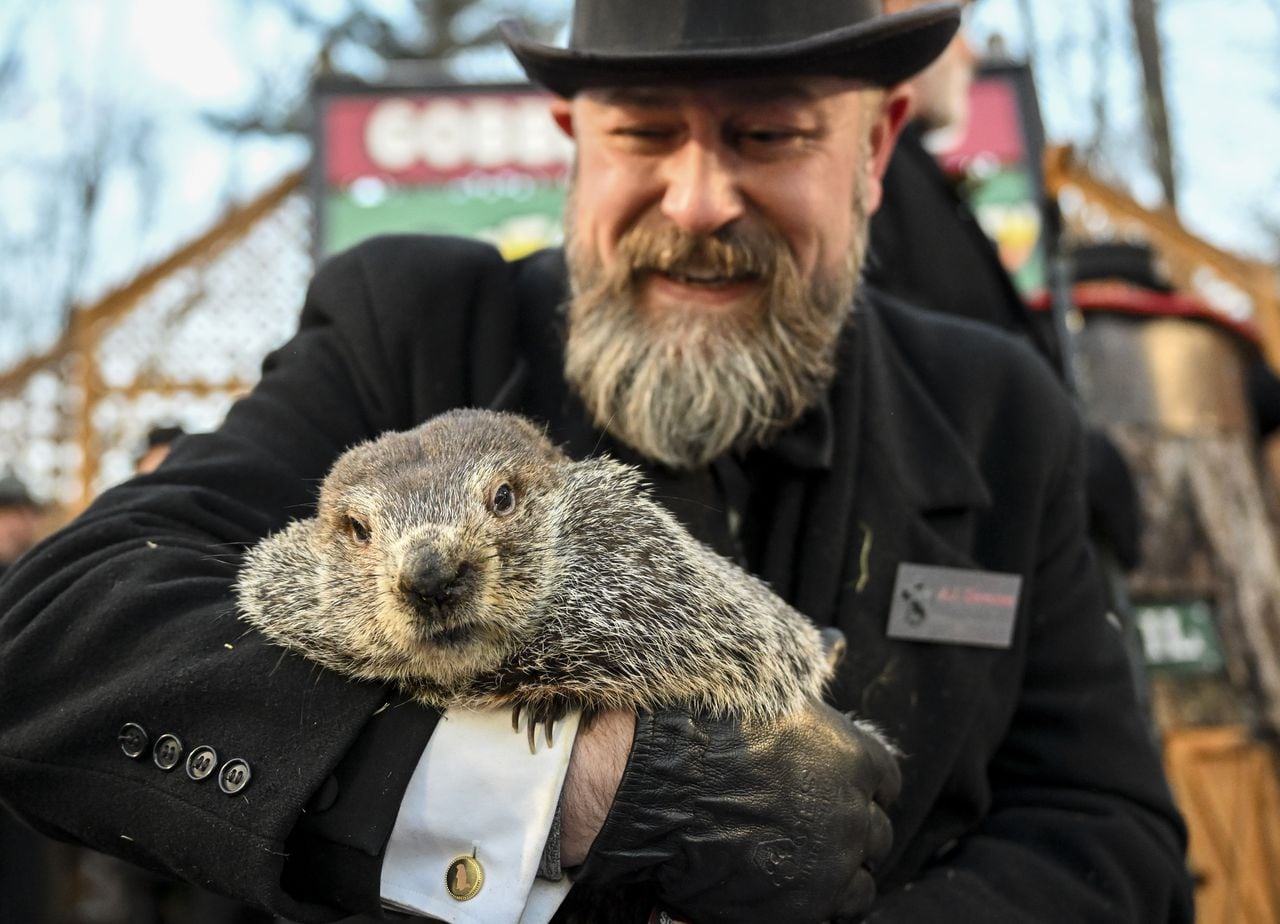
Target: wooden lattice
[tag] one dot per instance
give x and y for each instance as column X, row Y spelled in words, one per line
column 174, row 346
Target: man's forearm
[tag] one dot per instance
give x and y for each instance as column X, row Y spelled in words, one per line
column 595, row 770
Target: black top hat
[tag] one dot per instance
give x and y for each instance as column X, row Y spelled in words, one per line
column 620, row 42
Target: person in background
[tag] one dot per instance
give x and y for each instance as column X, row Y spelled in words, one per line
column 160, row 440
column 928, row 249
column 19, row 520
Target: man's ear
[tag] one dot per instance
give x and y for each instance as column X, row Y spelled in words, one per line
column 562, row 113
column 888, row 120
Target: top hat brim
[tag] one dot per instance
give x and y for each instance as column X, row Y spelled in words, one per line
column 881, row 52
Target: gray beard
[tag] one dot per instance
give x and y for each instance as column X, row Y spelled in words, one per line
column 689, row 386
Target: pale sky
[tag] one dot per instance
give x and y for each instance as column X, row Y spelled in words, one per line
column 1222, row 79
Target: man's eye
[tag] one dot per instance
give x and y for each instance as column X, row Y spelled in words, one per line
column 643, row 136
column 775, row 138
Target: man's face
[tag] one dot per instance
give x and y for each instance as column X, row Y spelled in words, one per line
column 715, row 237
column 786, row 155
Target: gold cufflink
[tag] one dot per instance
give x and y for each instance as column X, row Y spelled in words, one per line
column 464, row 878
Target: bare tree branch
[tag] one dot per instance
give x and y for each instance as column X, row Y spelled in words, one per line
column 356, row 27
column 11, row 54
column 1147, row 37
column 1028, row 22
column 1100, row 88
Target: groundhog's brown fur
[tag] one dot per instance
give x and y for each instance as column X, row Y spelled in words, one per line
column 475, row 564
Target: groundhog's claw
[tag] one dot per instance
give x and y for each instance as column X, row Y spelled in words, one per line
column 545, row 716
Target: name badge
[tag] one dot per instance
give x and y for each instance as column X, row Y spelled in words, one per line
column 933, row 604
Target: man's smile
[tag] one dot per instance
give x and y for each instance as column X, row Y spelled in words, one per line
column 704, row 287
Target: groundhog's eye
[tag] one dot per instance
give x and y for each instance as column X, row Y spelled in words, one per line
column 504, row 500
column 358, row 530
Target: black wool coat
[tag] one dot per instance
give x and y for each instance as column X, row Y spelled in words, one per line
column 928, row 249
column 1032, row 791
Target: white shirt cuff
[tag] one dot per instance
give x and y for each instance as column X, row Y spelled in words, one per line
column 477, row 789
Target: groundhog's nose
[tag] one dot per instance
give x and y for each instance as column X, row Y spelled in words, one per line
column 431, row 581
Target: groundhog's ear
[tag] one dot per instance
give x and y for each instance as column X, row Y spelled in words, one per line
column 550, row 451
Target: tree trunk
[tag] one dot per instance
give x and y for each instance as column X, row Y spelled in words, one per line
column 1147, row 36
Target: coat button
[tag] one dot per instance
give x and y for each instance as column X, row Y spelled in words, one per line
column 234, row 776
column 201, row 762
column 464, row 878
column 167, row 752
column 133, row 739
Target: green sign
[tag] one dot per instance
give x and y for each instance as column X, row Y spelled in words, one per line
column 1180, row 637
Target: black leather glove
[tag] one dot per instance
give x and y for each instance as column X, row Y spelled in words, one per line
column 766, row 822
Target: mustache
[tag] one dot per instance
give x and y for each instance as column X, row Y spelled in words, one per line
column 732, row 252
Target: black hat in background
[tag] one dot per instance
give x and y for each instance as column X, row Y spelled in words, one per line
column 1132, row 262
column 631, row 42
column 13, row 493
column 163, row 435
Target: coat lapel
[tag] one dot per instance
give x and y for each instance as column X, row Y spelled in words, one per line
column 918, row 492
column 902, row 482
column 903, row 487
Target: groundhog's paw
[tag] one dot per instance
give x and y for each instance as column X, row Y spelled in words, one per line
column 542, row 715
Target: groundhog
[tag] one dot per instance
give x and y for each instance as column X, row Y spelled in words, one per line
column 473, row 563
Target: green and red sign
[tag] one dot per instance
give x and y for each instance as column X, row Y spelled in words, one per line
column 479, row 161
column 998, row 167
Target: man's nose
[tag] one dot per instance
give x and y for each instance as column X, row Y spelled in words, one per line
column 701, row 193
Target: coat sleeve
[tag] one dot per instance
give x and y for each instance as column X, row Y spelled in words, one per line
column 127, row 614
column 1081, row 825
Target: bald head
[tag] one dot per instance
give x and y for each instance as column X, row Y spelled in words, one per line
column 941, row 90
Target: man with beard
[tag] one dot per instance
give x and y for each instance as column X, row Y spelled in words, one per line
column 913, row 482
